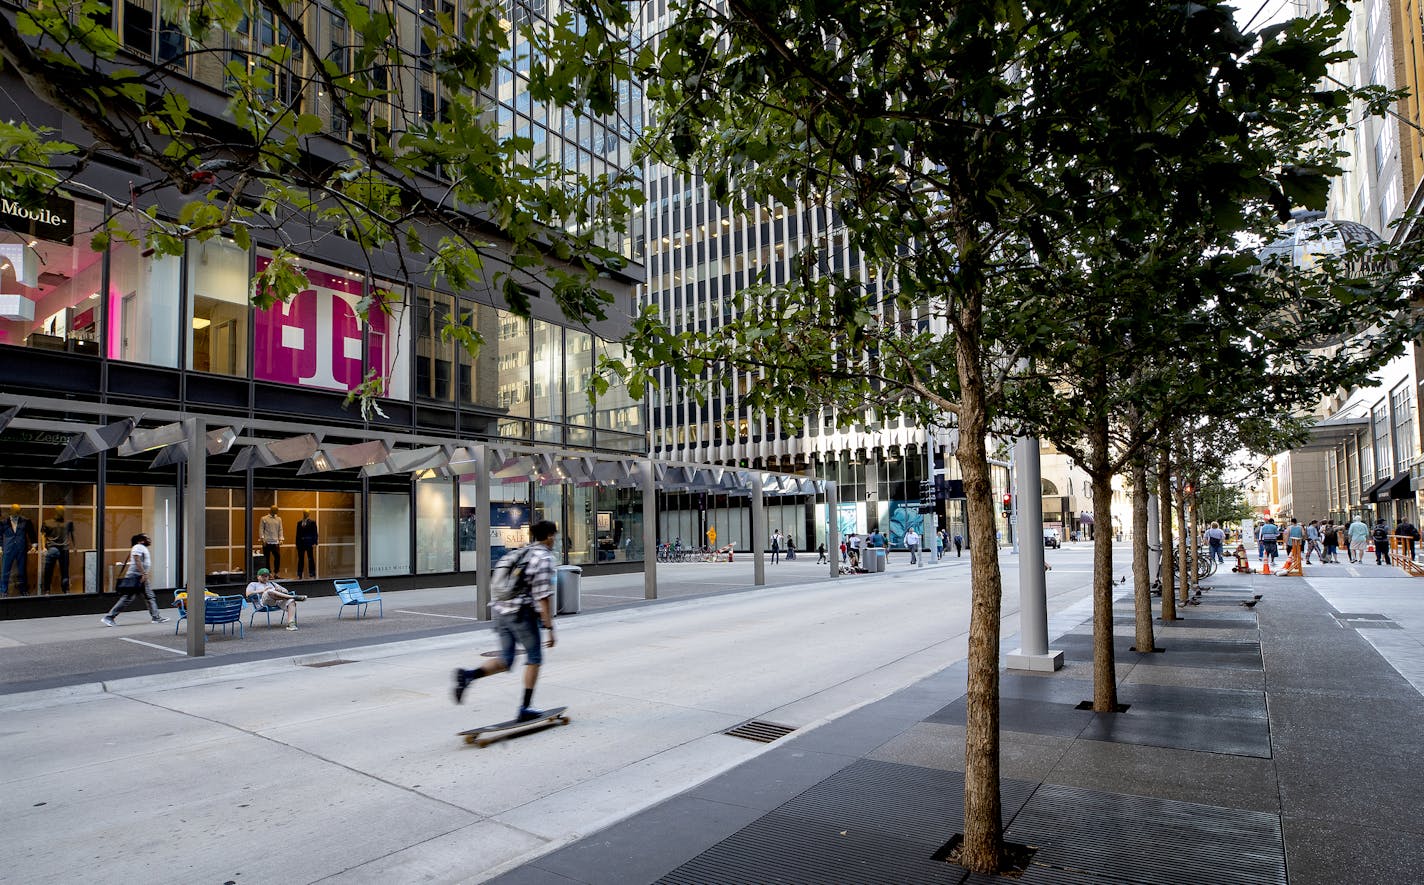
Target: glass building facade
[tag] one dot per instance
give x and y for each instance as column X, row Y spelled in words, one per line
column 129, row 333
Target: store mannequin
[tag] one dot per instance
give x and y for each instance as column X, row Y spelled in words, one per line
column 17, row 536
column 58, row 535
column 272, row 536
column 306, row 544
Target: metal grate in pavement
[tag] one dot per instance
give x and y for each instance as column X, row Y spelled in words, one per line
column 785, row 849
column 763, row 732
column 336, row 663
column 1088, row 835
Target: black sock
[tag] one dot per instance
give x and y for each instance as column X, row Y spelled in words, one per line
column 472, row 675
column 528, row 696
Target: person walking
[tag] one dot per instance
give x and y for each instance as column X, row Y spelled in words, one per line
column 524, row 583
column 958, row 545
column 1380, row 535
column 1216, row 541
column 776, row 547
column 790, row 548
column 912, row 544
column 138, row 570
column 821, row 554
column 939, row 545
column 1295, row 541
column 1409, row 534
column 1270, row 535
column 1312, row 541
column 1331, row 541
column 1359, row 535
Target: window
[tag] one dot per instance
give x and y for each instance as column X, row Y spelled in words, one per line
column 144, row 306
column 433, row 352
column 50, row 280
column 218, row 281
column 434, row 525
column 548, row 371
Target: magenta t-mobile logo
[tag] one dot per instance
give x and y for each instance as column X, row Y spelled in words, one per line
column 315, row 338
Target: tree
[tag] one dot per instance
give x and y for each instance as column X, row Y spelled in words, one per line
column 987, row 163
column 258, row 119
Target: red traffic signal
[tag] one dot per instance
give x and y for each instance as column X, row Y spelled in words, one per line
column 1008, row 501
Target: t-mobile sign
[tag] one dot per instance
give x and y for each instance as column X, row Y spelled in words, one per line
column 314, row 339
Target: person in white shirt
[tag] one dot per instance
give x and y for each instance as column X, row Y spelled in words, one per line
column 135, row 580
column 912, row 543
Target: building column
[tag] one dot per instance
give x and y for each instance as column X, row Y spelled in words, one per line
column 1033, row 653
column 1154, row 536
column 833, row 528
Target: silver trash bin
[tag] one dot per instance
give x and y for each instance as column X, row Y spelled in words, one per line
column 877, row 559
column 566, row 586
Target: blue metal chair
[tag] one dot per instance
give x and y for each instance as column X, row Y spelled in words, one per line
column 220, row 611
column 255, row 600
column 350, row 593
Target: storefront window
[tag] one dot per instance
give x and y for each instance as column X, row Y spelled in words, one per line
column 61, row 521
column 144, row 306
column 153, row 510
column 329, row 517
column 225, row 561
column 49, row 277
column 390, row 533
column 435, row 525
column 218, row 292
column 317, row 338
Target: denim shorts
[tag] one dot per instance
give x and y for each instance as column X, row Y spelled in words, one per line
column 521, row 627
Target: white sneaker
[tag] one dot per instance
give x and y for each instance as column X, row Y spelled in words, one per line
column 107, row 621
column 292, row 626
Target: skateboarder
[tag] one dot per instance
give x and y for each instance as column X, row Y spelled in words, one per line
column 523, row 583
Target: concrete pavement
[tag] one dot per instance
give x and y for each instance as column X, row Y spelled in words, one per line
column 343, row 765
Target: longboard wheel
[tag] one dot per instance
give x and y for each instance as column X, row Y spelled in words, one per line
column 563, row 720
column 469, row 739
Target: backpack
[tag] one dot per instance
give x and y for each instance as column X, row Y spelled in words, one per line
column 1381, row 533
column 510, row 580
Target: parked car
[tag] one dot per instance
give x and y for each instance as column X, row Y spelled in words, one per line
column 1050, row 539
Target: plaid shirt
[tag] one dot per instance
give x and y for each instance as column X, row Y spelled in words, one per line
column 540, row 572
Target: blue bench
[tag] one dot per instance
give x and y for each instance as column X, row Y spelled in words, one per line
column 350, row 593
column 220, row 611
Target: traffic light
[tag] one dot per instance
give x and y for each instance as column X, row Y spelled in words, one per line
column 1008, row 503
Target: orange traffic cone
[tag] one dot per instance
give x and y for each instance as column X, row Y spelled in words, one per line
column 1266, row 566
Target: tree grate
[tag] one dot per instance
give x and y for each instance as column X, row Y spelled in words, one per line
column 757, row 730
column 336, row 663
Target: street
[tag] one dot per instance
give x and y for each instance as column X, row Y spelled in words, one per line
column 346, row 767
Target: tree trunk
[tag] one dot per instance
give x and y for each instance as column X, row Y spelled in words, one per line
column 1168, row 579
column 1104, row 668
column 1142, row 581
column 983, row 848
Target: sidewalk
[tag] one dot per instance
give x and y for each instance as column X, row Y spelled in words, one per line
column 44, row 653
column 1272, row 744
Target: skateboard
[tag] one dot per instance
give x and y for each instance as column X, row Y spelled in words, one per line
column 488, row 734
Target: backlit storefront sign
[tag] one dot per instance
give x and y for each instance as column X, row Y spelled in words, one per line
column 315, row 338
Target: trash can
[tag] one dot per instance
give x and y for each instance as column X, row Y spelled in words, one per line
column 566, row 587
column 877, row 559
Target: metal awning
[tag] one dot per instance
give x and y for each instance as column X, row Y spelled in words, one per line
column 1332, row 431
column 1371, row 494
column 1397, row 488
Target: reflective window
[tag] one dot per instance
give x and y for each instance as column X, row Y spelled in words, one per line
column 433, row 352
column 390, row 533
column 60, row 518
column 435, row 525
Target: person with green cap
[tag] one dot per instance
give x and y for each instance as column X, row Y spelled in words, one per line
column 265, row 591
